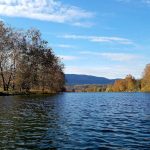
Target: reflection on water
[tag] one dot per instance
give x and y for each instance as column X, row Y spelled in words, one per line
column 76, row 121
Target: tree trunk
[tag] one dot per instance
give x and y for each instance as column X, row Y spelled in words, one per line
column 8, row 84
column 3, row 79
column 43, row 88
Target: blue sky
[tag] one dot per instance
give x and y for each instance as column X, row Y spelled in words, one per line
column 109, row 38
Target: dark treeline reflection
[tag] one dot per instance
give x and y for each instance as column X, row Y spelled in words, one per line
column 30, row 122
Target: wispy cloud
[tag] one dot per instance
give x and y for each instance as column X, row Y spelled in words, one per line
column 84, row 24
column 135, row 1
column 99, row 39
column 68, row 58
column 113, row 56
column 48, row 10
column 64, row 46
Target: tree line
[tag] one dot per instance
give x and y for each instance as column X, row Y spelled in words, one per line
column 27, row 62
column 128, row 84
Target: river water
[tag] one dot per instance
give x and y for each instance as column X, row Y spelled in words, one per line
column 76, row 121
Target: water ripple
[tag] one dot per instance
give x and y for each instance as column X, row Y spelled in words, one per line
column 104, row 121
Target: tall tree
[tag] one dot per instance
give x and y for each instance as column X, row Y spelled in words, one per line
column 6, row 52
column 146, row 79
column 27, row 62
column 130, row 83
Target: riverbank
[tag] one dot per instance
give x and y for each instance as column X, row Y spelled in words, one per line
column 40, row 93
column 25, row 93
column 14, row 93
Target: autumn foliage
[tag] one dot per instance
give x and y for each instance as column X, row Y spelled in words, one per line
column 145, row 85
column 127, row 84
column 27, row 62
column 130, row 84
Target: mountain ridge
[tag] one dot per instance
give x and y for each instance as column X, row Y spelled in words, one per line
column 80, row 79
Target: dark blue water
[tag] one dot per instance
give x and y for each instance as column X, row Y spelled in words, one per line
column 76, row 121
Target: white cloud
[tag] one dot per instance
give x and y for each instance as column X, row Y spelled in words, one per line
column 113, row 56
column 64, row 46
column 83, row 24
column 99, row 39
column 120, row 56
column 67, row 58
column 48, row 10
column 135, row 1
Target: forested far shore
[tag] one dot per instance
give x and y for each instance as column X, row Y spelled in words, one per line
column 27, row 63
column 129, row 84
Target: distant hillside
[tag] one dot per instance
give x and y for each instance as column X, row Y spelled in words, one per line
column 74, row 79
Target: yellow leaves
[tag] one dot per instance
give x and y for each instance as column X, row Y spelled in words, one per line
column 128, row 84
column 146, row 79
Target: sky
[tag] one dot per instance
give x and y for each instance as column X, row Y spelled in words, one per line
column 106, row 38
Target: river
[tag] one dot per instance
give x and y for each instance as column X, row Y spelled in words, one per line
column 76, row 121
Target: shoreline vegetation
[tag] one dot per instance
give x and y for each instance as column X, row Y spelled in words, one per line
column 15, row 93
column 29, row 66
column 128, row 84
